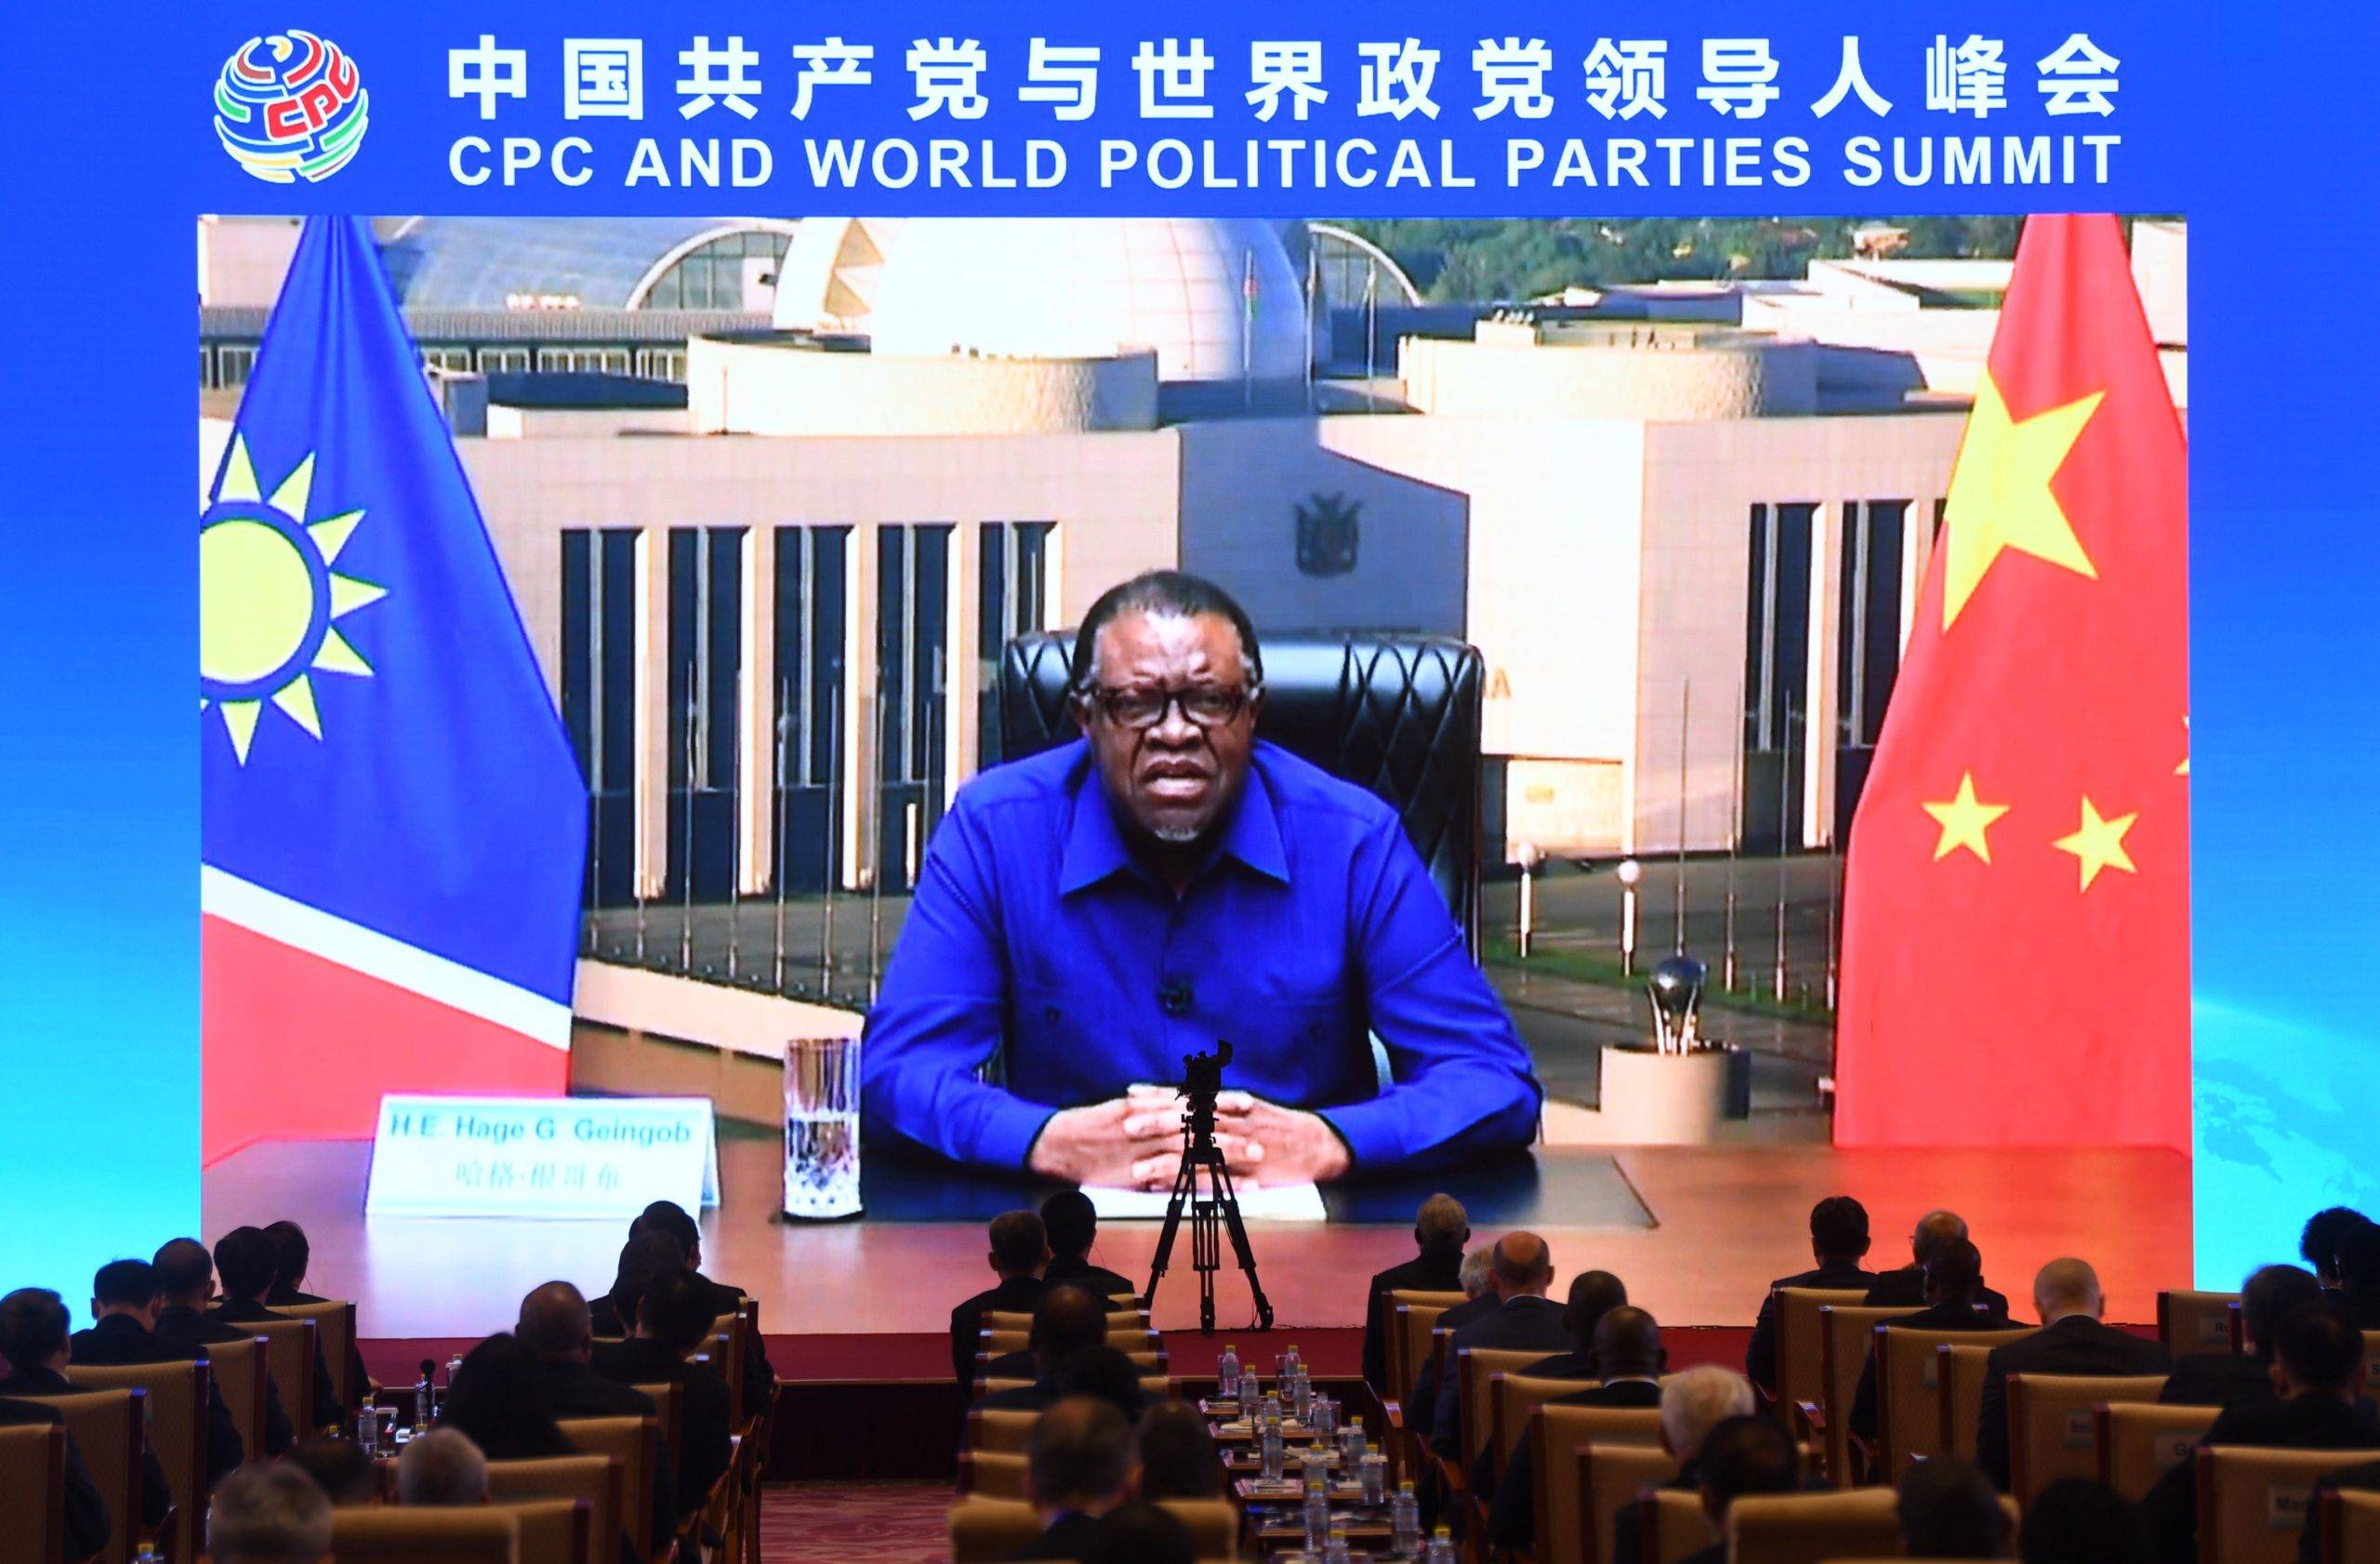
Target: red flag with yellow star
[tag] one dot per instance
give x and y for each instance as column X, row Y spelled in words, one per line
column 2016, row 955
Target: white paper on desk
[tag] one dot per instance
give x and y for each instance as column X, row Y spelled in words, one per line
column 1281, row 1202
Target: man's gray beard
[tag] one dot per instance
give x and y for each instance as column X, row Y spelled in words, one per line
column 1177, row 836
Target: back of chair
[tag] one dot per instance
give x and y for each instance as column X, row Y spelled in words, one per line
column 726, row 1355
column 635, row 1442
column 175, row 1398
column 289, row 1356
column 992, row 1473
column 551, row 1530
column 1125, row 1339
column 477, row 1535
column 983, row 1530
column 2372, row 1356
column 1213, row 1525
column 240, row 1374
column 1672, row 1525
column 1124, row 1313
column 2188, row 1321
column 1801, row 1342
column 1515, row 1398
column 1813, row 1528
column 1909, row 1392
column 32, row 1492
column 599, row 1479
column 2251, row 1500
column 106, row 1428
column 1845, row 1332
column 2053, row 1425
column 2351, row 1525
column 1580, row 1495
column 999, row 1430
column 1410, row 1316
column 2140, row 1439
column 668, row 1399
column 1476, row 1369
column 335, row 1321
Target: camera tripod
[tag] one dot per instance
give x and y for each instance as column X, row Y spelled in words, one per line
column 1214, row 1209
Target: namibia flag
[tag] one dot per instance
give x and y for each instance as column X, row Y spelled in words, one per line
column 392, row 823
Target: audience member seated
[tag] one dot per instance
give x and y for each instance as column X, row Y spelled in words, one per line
column 2078, row 1520
column 672, row 1319
column 2319, row 1244
column 1440, row 1229
column 2364, row 1477
column 1478, row 1281
column 499, row 1397
column 87, row 1520
column 645, row 1256
column 1628, row 1343
column 1081, row 1464
column 269, row 1512
column 1954, row 1293
column 1742, row 1455
column 1071, row 1224
column 1838, row 1242
column 554, row 1325
column 2318, row 1367
column 289, row 1281
column 442, row 1467
column 1102, row 1373
column 1178, row 1458
column 1020, row 1250
column 1906, row 1288
column 2226, row 1379
column 1522, row 1318
column 2071, row 1341
column 247, row 1262
column 123, row 1307
column 1142, row 1534
column 667, row 1216
column 185, row 1276
column 340, row 1469
column 1692, row 1404
column 1066, row 1321
column 33, row 1340
column 2360, row 1275
column 1592, row 1296
column 1949, row 1509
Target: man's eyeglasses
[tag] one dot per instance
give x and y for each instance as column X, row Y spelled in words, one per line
column 1205, row 706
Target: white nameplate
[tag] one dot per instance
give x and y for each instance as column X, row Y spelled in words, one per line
column 550, row 1156
column 1281, row 1202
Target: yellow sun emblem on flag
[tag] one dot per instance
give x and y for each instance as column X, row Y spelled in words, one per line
column 268, row 596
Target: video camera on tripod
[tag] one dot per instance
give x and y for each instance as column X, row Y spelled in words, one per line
column 1213, row 1207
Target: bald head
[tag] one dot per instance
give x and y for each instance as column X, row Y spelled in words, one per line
column 185, row 1273
column 1523, row 1264
column 554, row 1322
column 2064, row 1287
column 1628, row 1345
column 1068, row 1319
column 1935, row 1229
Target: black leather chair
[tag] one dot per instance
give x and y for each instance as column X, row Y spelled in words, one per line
column 1399, row 714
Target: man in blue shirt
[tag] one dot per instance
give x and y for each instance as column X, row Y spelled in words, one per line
column 1099, row 911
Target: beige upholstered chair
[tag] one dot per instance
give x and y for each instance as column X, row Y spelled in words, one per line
column 635, row 1442
column 552, row 1530
column 1672, row 1526
column 239, row 1373
column 2053, row 1425
column 985, row 1530
column 475, row 1535
column 2139, row 1440
column 999, row 1430
column 1126, row 1339
column 2190, row 1321
column 668, row 1397
column 2351, row 1525
column 32, row 1492
column 1515, row 1398
column 1410, row 1315
column 1475, row 1369
column 1812, row 1527
column 106, row 1428
column 289, row 1358
column 1845, row 1336
column 1123, row 1313
column 335, row 1319
column 1909, row 1388
column 1575, row 1519
column 2252, row 1501
column 598, row 1480
column 992, row 1473
column 1801, row 1342
column 175, row 1393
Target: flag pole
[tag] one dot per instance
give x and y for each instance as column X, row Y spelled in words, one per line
column 1372, row 330
column 1684, row 711
column 777, row 844
column 686, row 866
column 735, row 875
column 1784, row 841
column 1313, row 279
column 1248, row 328
column 1734, row 840
column 833, row 876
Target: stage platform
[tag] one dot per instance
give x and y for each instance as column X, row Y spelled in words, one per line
column 1699, row 1236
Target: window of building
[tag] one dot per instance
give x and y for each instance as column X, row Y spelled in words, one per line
column 1868, row 615
column 662, row 363
column 705, row 663
column 1777, row 664
column 604, row 360
column 711, row 275
column 912, row 672
column 235, row 361
column 454, row 360
column 504, row 361
column 812, row 737
column 599, row 699
column 1013, row 596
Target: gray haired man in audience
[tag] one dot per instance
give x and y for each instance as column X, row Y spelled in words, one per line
column 269, row 1513
column 442, row 1467
column 1081, row 1462
column 1440, row 1229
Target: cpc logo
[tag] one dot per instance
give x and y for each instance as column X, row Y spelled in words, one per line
column 290, row 107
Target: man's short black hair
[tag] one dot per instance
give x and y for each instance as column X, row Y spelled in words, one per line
column 289, row 1242
column 671, row 1218
column 1839, row 1227
column 1072, row 1222
column 132, row 1283
column 1068, row 1319
column 1172, row 593
column 245, row 1262
column 1019, row 1242
column 2319, row 1244
column 339, row 1467
column 1627, row 1343
column 183, row 1269
column 1080, row 1448
column 2360, row 1255
column 675, row 1309
column 1744, row 1455
column 1955, row 1269
column 2077, row 1521
column 2319, row 1346
column 2269, row 1294
column 1592, row 1296
column 1142, row 1534
column 646, row 1258
column 1949, row 1509
column 32, row 1327
column 1104, row 1375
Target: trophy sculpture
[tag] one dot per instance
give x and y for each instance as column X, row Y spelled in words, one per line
column 1675, row 989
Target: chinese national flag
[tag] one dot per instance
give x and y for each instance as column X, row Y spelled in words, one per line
column 2016, row 959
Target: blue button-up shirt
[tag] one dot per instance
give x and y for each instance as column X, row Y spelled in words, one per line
column 1313, row 925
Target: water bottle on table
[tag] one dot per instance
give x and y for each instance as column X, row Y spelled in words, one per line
column 1268, row 1449
column 1317, row 1520
column 1374, row 1466
column 1441, row 1548
column 1335, row 1550
column 1405, row 1522
column 1227, row 1372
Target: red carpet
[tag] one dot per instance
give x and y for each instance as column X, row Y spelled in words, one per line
column 856, row 1522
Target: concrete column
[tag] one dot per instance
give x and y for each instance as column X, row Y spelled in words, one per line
column 756, row 748
column 1825, row 699
column 652, row 709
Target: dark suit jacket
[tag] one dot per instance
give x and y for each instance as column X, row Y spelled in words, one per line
column 87, row 1513
column 1573, row 1364
column 2219, row 1379
column 1524, row 1322
column 1432, row 1270
column 2300, row 1422
column 191, row 1333
column 1906, row 1289
column 760, row 1378
column 1628, row 1526
column 1511, row 1512
column 577, row 1390
column 156, row 1494
column 119, row 1339
column 1018, row 1295
column 1422, row 1405
column 1069, row 1538
column 1076, row 1270
column 2363, row 1305
column 2076, row 1344
column 1760, row 1358
column 1020, row 1364
column 1040, row 1396
column 2309, row 1545
column 326, row 1412
column 706, row 1418
column 1941, row 1316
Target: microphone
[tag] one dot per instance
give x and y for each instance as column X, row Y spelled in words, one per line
column 1174, row 996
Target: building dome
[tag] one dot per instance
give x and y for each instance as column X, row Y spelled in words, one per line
column 1084, row 288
